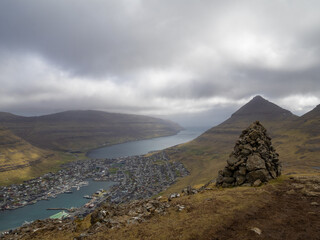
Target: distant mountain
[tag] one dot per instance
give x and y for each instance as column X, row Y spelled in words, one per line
column 297, row 139
column 313, row 114
column 82, row 130
column 260, row 108
column 309, row 122
column 269, row 114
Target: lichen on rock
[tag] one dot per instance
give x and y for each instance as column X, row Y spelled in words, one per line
column 253, row 158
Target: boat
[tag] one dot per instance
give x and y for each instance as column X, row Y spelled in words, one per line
column 84, row 183
column 78, row 188
column 87, row 197
column 68, row 192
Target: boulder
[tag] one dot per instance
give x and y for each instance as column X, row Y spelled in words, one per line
column 255, row 162
column 232, row 160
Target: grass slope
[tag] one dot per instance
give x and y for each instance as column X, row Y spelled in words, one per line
column 19, row 160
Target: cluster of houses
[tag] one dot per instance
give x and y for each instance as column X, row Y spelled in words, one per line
column 138, row 177
column 142, row 177
column 41, row 188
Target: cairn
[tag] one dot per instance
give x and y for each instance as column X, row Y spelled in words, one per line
column 253, row 160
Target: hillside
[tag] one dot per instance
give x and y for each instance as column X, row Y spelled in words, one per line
column 83, row 130
column 19, row 160
column 308, row 122
column 293, row 137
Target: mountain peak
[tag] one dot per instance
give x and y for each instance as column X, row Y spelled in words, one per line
column 258, row 97
column 259, row 108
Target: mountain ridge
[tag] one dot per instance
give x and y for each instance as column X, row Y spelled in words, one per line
column 81, row 130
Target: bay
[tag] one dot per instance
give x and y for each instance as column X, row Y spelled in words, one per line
column 145, row 146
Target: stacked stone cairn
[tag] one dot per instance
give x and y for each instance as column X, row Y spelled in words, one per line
column 253, row 160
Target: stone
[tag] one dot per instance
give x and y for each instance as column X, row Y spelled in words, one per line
column 236, row 149
column 232, row 160
column 248, row 147
column 242, row 170
column 228, row 179
column 219, row 179
column 240, row 179
column 255, row 162
column 273, row 174
column 254, row 135
column 225, row 185
column 189, row 190
column 256, row 230
column 291, row 192
column 245, row 152
column 257, row 183
column 227, row 172
column 261, row 174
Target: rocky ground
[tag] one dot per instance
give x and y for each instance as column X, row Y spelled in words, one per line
column 286, row 208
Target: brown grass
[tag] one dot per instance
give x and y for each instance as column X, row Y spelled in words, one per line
column 219, row 214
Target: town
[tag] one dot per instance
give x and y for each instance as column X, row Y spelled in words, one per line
column 136, row 177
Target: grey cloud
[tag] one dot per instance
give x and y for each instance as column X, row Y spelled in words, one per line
column 96, row 37
column 223, row 49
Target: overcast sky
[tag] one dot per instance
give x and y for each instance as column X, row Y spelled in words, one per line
column 158, row 57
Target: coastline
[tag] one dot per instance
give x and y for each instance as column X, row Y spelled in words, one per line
column 135, row 140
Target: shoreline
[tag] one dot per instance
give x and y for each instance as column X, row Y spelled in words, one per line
column 136, row 140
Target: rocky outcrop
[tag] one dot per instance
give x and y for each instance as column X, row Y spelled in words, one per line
column 253, row 160
column 112, row 215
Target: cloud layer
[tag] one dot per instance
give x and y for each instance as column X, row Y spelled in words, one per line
column 157, row 57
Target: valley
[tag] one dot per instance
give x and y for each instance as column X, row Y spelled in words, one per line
column 32, row 146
